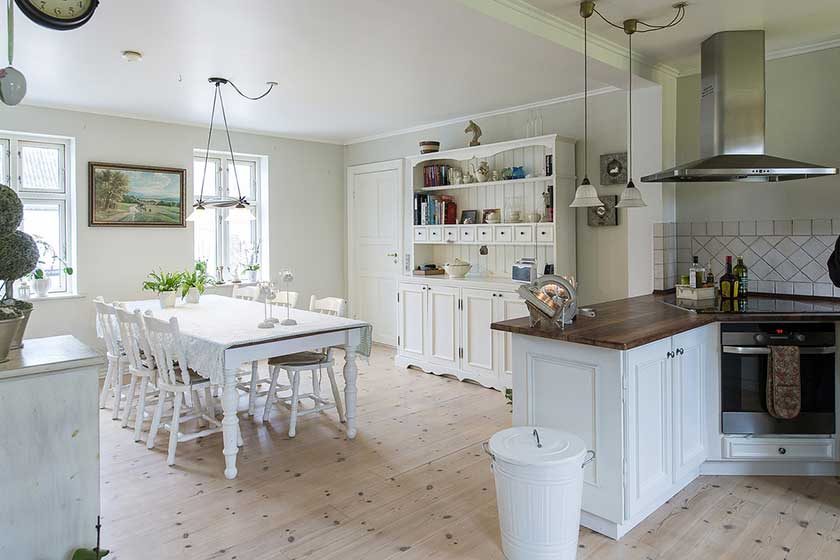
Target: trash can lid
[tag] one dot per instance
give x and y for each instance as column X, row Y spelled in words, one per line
column 519, row 446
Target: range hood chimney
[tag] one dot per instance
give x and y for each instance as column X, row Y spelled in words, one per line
column 732, row 118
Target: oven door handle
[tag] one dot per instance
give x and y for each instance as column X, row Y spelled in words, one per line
column 764, row 350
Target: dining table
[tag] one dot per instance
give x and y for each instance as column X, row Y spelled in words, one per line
column 220, row 334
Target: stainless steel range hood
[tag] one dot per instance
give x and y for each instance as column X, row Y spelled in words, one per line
column 732, row 118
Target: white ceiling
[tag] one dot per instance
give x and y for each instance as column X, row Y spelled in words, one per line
column 788, row 23
column 346, row 69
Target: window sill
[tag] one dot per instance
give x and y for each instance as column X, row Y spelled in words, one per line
column 55, row 297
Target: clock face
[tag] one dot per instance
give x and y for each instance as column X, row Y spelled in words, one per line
column 58, row 14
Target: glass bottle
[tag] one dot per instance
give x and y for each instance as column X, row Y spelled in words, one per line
column 742, row 273
column 696, row 274
column 729, row 282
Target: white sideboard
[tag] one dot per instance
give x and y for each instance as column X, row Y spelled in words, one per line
column 444, row 327
column 49, row 451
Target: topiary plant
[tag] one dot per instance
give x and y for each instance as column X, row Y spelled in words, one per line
column 18, row 252
column 11, row 210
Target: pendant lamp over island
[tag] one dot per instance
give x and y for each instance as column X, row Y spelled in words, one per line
column 239, row 209
column 586, row 196
column 631, row 197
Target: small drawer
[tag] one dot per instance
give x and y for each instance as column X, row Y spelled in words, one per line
column 545, row 233
column 421, row 234
column 778, row 449
column 503, row 234
column 484, row 234
column 436, row 234
column 524, row 234
column 467, row 234
column 450, row 234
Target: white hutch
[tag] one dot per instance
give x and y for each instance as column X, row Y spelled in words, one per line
column 444, row 324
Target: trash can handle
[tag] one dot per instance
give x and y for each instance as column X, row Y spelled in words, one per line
column 590, row 457
column 537, row 435
column 486, row 448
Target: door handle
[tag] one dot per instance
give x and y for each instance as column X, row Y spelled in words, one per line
column 391, row 254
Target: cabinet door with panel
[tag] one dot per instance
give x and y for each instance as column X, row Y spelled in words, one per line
column 412, row 320
column 442, row 324
column 648, row 452
column 688, row 383
column 477, row 313
column 509, row 305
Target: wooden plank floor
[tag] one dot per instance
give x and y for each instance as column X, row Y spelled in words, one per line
column 413, row 485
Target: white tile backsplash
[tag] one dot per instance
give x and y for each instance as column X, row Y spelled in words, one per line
column 784, row 256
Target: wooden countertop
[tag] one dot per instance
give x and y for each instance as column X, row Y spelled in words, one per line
column 628, row 323
column 46, row 355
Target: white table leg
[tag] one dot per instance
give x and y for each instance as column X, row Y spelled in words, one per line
column 350, row 374
column 230, row 423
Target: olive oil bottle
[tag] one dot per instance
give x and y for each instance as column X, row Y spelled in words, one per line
column 729, row 284
column 742, row 273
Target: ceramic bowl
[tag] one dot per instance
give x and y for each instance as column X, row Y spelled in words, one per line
column 429, row 146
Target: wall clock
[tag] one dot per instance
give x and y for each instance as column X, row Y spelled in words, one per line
column 58, row 14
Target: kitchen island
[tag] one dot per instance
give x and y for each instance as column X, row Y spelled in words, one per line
column 641, row 384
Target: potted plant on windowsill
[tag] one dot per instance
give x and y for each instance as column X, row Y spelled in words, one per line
column 166, row 285
column 194, row 283
column 40, row 277
column 251, row 272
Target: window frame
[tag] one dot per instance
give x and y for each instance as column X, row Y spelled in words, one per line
column 12, row 143
column 226, row 186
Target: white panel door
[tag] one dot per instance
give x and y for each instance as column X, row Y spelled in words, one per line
column 443, row 321
column 375, row 263
column 509, row 306
column 649, row 457
column 477, row 313
column 688, row 379
column 412, row 320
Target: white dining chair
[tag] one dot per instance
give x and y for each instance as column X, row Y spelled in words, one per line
column 182, row 384
column 250, row 293
column 141, row 367
column 109, row 330
column 314, row 362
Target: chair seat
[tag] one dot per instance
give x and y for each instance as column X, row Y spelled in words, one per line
column 195, row 377
column 299, row 359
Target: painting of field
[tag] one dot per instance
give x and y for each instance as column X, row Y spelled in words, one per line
column 126, row 195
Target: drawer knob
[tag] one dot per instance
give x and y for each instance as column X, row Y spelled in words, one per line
column 782, row 451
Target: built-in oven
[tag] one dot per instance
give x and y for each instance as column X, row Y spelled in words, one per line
column 744, row 357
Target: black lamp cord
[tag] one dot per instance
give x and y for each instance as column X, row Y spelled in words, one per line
column 630, row 108
column 585, row 104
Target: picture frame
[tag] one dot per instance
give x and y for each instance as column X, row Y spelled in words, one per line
column 489, row 211
column 469, row 216
column 606, row 215
column 124, row 195
column 614, row 168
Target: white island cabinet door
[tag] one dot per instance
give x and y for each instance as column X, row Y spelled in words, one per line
column 476, row 317
column 511, row 306
column 691, row 350
column 412, row 318
column 443, row 322
column 648, row 425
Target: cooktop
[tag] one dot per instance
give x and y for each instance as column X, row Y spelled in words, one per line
column 756, row 304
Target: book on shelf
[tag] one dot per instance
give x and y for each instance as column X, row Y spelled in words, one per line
column 436, row 175
column 432, row 210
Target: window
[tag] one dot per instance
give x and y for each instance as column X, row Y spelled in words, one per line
column 38, row 170
column 232, row 245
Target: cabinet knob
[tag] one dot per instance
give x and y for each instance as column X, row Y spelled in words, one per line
column 782, row 451
column 680, row 351
column 670, row 354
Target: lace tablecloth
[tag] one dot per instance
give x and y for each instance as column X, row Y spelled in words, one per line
column 217, row 323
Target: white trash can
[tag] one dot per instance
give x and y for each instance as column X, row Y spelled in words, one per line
column 539, row 482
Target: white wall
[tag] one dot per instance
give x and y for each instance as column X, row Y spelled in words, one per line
column 306, row 208
column 602, row 262
column 802, row 123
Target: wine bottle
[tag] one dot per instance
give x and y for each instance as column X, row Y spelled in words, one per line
column 729, row 282
column 742, row 273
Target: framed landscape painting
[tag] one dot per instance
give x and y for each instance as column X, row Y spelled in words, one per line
column 135, row 195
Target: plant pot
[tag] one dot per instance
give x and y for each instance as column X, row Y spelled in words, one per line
column 167, row 299
column 17, row 340
column 251, row 275
column 8, row 330
column 41, row 286
column 192, row 296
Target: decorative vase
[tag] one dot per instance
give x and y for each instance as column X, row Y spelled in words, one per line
column 42, row 286
column 167, row 299
column 8, row 330
column 17, row 340
column 251, row 275
column 193, row 295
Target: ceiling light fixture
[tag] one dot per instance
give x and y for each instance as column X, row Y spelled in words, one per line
column 631, row 197
column 132, row 56
column 586, row 195
column 238, row 207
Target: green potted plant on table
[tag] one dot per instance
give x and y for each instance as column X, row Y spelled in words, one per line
column 18, row 257
column 166, row 285
column 194, row 283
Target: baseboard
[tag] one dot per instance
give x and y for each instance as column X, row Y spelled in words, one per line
column 771, row 468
